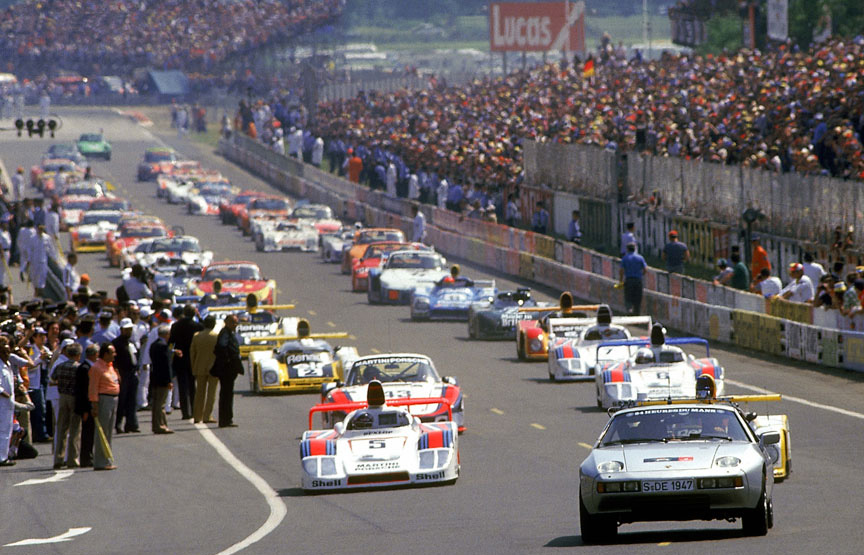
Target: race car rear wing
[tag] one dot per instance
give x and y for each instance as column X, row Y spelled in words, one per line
column 401, row 402
column 230, row 308
column 576, row 308
column 633, row 321
column 646, row 342
column 333, row 335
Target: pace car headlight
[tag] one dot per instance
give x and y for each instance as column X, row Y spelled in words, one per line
column 610, row 466
column 269, row 377
column 727, row 462
column 310, row 466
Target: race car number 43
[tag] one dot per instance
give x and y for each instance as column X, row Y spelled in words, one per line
column 660, row 486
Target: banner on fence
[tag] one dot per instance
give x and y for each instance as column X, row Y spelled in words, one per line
column 797, row 312
column 832, row 354
column 853, row 351
column 794, row 347
column 757, row 331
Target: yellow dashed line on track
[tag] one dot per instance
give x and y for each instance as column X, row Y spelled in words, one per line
column 585, row 445
column 312, row 313
column 374, row 350
column 331, row 324
column 538, row 426
column 499, row 412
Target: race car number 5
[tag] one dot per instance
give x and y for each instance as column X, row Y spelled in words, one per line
column 377, row 444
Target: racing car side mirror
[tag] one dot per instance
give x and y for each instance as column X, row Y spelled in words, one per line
column 769, row 438
column 450, row 379
column 339, row 427
column 750, row 416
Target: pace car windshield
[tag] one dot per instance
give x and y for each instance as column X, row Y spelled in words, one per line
column 386, row 370
column 414, row 261
column 664, row 425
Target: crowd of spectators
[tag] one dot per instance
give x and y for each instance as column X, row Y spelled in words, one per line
column 120, row 36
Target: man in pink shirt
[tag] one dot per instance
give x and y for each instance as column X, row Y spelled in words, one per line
column 104, row 387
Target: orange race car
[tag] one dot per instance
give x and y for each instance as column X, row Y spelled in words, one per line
column 369, row 235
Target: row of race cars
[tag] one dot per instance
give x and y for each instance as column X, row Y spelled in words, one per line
column 675, row 446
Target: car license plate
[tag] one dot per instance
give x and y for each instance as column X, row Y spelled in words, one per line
column 663, row 486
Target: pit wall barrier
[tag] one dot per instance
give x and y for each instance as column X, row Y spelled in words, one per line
column 717, row 313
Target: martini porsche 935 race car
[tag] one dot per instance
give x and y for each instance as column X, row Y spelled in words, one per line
column 394, row 282
column 379, row 444
column 575, row 354
column 303, row 362
column 658, row 370
column 681, row 460
column 403, row 375
column 449, row 298
column 497, row 318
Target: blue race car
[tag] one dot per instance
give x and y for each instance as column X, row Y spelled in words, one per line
column 450, row 298
column 497, row 318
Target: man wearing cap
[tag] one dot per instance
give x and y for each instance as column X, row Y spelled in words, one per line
column 632, row 273
column 675, row 254
column 126, row 362
column 800, row 289
column 759, row 257
column 104, row 388
column 725, row 275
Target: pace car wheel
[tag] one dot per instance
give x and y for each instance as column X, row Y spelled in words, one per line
column 595, row 528
column 757, row 521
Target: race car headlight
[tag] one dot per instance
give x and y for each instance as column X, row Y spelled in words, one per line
column 727, row 462
column 427, row 459
column 421, row 302
column 536, row 344
column 610, row 466
column 269, row 377
column 328, row 466
column 310, row 466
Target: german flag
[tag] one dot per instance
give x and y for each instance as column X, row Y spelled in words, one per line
column 588, row 68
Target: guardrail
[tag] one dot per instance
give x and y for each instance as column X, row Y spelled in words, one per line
column 717, row 313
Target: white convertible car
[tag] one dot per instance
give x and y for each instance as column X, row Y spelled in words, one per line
column 395, row 281
column 287, row 235
column 378, row 444
column 659, row 370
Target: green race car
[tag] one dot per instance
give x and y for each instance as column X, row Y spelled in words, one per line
column 94, row 145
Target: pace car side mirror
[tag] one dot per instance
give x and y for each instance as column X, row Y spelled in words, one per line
column 769, row 438
column 450, row 379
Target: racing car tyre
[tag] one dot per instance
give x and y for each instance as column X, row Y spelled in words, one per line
column 597, row 394
column 520, row 349
column 756, row 522
column 595, row 528
column 472, row 333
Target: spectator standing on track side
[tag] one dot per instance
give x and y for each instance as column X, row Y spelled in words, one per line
column 540, row 219
column 82, row 404
column 740, row 273
column 511, row 212
column 18, row 185
column 574, row 230
column 629, row 237
column 675, row 254
column 227, row 367
column 441, row 193
column 7, row 403
column 355, row 166
column 318, row 152
column 182, row 332
column 419, row 224
column 851, row 304
column 104, row 387
column 71, row 281
column 759, row 257
column 126, row 363
column 799, row 290
column 632, row 273
column 201, row 358
column 67, row 436
column 161, row 379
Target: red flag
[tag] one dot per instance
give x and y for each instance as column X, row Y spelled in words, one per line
column 588, row 68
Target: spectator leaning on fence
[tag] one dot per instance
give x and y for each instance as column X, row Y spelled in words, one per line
column 766, row 285
column 725, row 275
column 800, row 289
column 740, row 273
column 675, row 254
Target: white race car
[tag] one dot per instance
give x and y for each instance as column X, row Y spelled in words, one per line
column 659, row 370
column 378, row 444
column 205, row 200
column 287, row 235
column 183, row 249
column 72, row 208
column 395, row 280
column 319, row 215
column 577, row 358
column 334, row 245
column 92, row 231
column 178, row 192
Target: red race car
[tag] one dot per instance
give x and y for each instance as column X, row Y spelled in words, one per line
column 238, row 278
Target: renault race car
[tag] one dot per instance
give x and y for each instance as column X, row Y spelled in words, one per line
column 303, row 362
column 657, row 370
column 404, row 375
column 287, row 235
column 395, row 281
column 365, row 236
column 496, row 318
column 689, row 460
column 578, row 358
column 449, row 298
column 378, row 444
column 239, row 278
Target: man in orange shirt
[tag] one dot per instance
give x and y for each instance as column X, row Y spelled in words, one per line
column 758, row 257
column 104, row 387
column 355, row 166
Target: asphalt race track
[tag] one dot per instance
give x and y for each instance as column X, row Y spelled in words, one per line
column 520, row 456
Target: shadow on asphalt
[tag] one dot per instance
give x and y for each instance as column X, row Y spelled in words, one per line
column 291, row 492
column 636, row 538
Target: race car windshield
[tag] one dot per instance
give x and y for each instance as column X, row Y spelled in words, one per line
column 215, row 190
column 376, row 252
column 176, row 245
column 159, row 156
column 76, row 204
column 108, row 205
column 674, row 424
column 269, row 204
column 392, row 370
column 91, row 138
column 235, row 273
column 88, row 190
column 90, row 219
column 316, row 212
column 144, row 232
column 381, row 236
column 415, row 261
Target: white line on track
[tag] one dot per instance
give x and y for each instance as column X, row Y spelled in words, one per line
column 278, row 510
column 798, row 400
